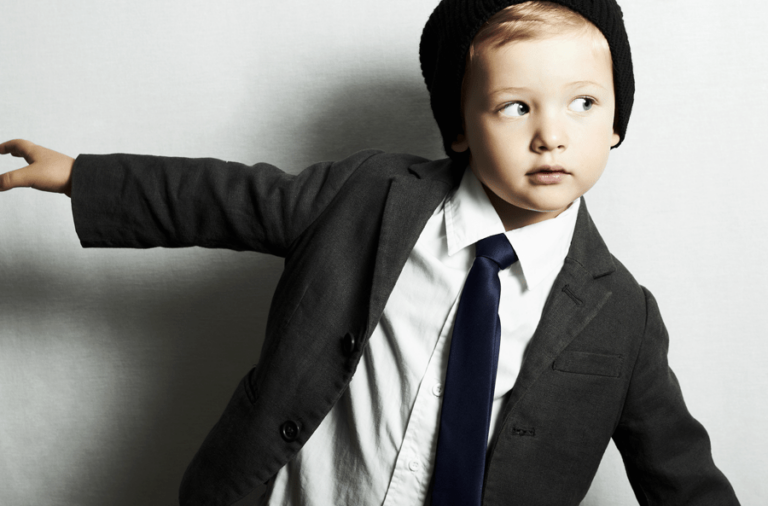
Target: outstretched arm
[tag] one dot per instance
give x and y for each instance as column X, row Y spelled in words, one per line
column 48, row 170
column 140, row 201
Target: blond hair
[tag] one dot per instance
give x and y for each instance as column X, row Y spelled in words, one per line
column 535, row 19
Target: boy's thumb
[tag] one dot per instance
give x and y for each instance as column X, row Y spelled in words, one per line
column 14, row 179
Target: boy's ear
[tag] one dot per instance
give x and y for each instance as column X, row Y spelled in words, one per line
column 460, row 144
column 615, row 139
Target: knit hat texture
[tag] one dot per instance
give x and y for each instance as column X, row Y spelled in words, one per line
column 453, row 25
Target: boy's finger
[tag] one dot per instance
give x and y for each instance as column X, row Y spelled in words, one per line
column 16, row 147
column 13, row 179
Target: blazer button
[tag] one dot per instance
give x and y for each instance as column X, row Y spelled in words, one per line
column 348, row 343
column 290, row 431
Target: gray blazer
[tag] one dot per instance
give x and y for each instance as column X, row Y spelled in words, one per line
column 595, row 369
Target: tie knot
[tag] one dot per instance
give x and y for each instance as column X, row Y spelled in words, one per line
column 498, row 249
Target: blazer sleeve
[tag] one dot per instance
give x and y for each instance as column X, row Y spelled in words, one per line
column 666, row 452
column 140, row 201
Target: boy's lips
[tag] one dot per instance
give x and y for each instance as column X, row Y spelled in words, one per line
column 548, row 174
column 548, row 168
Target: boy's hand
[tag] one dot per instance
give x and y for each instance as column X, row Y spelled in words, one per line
column 47, row 170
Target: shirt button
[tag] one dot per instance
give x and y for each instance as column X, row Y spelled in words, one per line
column 437, row 390
column 414, row 465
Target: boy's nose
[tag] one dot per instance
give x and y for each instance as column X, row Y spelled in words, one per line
column 550, row 135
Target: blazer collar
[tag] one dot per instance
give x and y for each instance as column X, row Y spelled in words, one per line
column 446, row 171
column 588, row 249
column 411, row 200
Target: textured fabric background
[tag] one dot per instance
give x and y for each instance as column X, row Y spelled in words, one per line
column 114, row 363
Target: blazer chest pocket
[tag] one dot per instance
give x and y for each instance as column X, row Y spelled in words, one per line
column 596, row 364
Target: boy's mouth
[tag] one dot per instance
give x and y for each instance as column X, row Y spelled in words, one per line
column 548, row 174
column 548, row 169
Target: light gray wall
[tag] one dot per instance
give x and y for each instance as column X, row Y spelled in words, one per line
column 115, row 363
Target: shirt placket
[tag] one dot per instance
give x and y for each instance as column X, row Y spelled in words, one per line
column 413, row 467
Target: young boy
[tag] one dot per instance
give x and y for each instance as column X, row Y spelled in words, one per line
column 428, row 359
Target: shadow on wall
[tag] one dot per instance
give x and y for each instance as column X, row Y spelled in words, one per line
column 123, row 377
column 383, row 110
column 186, row 334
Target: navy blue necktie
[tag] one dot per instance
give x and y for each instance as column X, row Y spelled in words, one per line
column 470, row 379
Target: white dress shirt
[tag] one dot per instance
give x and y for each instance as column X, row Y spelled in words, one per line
column 377, row 445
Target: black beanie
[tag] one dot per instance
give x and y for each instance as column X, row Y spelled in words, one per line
column 453, row 25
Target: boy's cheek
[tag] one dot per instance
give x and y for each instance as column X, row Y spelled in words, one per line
column 498, row 144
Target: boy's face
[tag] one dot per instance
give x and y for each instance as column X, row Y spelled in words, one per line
column 539, row 124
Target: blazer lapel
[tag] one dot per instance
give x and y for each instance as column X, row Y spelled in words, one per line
column 411, row 200
column 574, row 301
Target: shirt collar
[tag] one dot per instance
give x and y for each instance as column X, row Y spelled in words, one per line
column 540, row 248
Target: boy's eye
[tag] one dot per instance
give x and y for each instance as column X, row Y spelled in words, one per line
column 515, row 109
column 581, row 104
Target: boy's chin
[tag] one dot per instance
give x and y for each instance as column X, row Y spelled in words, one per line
column 552, row 208
column 523, row 205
